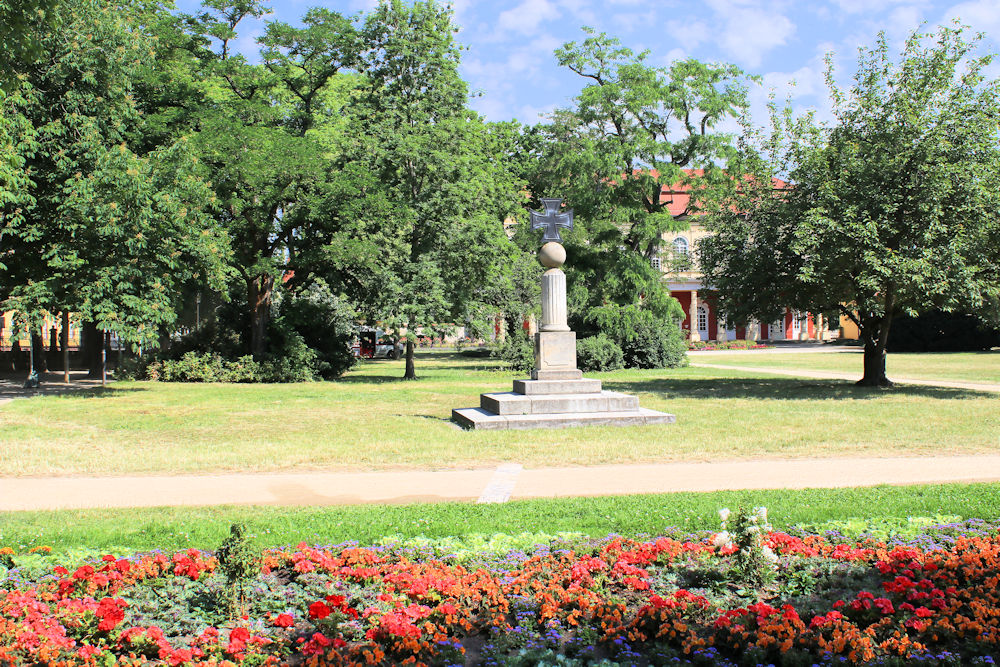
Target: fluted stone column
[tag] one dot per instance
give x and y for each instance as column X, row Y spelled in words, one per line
column 693, row 316
column 555, row 343
column 554, row 301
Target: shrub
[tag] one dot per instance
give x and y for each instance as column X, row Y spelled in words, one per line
column 598, row 353
column 239, row 563
column 325, row 324
column 195, row 367
column 516, row 352
column 646, row 340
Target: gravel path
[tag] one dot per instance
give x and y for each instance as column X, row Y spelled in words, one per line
column 509, row 481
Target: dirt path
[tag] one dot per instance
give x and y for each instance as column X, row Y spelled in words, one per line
column 509, row 481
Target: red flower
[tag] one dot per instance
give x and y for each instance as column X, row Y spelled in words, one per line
column 239, row 634
column 318, row 610
column 111, row 611
column 284, row 621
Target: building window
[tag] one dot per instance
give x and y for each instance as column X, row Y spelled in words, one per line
column 796, row 320
column 681, row 260
column 655, row 262
column 702, row 319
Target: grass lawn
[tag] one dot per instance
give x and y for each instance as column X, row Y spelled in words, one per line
column 956, row 366
column 173, row 528
column 373, row 420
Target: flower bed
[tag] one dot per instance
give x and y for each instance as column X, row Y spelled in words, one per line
column 726, row 345
column 933, row 600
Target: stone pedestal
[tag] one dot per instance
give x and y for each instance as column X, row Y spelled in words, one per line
column 557, row 395
column 555, row 356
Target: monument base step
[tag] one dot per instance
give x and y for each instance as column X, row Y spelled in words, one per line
column 479, row 419
column 533, row 387
column 512, row 403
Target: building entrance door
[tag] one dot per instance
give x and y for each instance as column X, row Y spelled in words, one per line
column 703, row 322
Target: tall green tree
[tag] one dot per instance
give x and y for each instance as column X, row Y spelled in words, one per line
column 100, row 229
column 448, row 191
column 255, row 131
column 892, row 208
column 634, row 129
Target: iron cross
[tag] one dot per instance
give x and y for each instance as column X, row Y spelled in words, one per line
column 551, row 220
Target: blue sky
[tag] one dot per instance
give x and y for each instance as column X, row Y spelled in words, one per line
column 510, row 57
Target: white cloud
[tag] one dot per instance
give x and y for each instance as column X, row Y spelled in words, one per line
column 748, row 30
column 673, row 55
column 527, row 17
column 980, row 15
column 362, row 5
column 903, row 21
column 689, row 33
column 632, row 21
column 873, row 6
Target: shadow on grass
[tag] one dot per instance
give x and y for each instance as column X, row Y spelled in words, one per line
column 782, row 389
column 8, row 390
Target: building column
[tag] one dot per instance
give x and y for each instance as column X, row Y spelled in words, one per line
column 820, row 326
column 720, row 328
column 752, row 330
column 693, row 316
column 803, row 325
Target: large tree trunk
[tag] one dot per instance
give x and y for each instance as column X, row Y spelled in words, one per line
column 38, row 349
column 92, row 341
column 874, row 365
column 875, row 333
column 410, row 373
column 260, row 291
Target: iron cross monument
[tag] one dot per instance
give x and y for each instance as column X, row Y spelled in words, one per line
column 551, row 220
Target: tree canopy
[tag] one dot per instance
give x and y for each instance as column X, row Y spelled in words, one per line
column 635, row 128
column 892, row 208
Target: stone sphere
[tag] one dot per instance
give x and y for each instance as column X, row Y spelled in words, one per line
column 552, row 255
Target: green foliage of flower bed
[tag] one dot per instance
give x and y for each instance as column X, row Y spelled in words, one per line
column 826, row 599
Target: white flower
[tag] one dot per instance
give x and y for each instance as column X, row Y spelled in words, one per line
column 769, row 555
column 721, row 540
column 724, row 514
column 762, row 513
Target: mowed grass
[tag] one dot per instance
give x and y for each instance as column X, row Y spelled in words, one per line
column 373, row 420
column 976, row 367
column 121, row 531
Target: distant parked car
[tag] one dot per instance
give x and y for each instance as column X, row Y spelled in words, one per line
column 384, row 350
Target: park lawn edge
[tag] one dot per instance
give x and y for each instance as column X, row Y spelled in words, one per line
column 74, row 533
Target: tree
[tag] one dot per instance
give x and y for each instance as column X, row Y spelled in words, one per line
column 437, row 168
column 635, row 128
column 99, row 229
column 893, row 208
column 254, row 129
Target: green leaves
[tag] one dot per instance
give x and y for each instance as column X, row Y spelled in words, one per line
column 635, row 129
column 98, row 228
column 889, row 208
